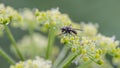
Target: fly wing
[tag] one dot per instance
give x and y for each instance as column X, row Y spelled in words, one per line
column 77, row 29
column 74, row 32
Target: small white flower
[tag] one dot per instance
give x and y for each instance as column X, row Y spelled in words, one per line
column 37, row 63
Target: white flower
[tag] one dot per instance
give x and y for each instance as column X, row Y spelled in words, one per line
column 37, row 45
column 37, row 63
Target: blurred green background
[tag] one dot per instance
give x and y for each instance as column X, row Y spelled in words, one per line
column 104, row 12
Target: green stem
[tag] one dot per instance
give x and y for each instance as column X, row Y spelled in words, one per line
column 51, row 38
column 13, row 42
column 68, row 60
column 60, row 56
column 91, row 57
column 7, row 57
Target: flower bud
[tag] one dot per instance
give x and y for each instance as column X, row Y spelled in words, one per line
column 6, row 21
column 37, row 12
column 100, row 62
column 85, row 59
column 73, row 49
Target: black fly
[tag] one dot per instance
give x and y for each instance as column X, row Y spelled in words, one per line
column 69, row 30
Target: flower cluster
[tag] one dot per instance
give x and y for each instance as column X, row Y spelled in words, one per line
column 8, row 14
column 36, row 45
column 37, row 63
column 28, row 20
column 52, row 18
column 41, row 20
column 88, row 43
column 91, row 45
column 89, row 29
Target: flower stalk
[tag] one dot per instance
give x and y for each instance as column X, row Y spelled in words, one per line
column 13, row 42
column 68, row 60
column 51, row 39
column 60, row 56
column 7, row 57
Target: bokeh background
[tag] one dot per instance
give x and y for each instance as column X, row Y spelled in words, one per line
column 104, row 12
